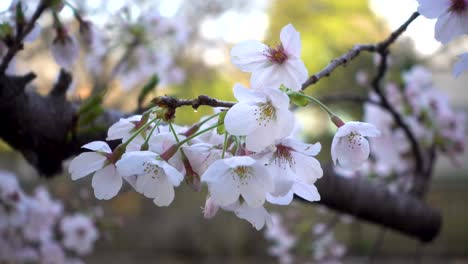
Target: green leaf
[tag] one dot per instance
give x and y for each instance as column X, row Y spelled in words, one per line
column 298, row 100
column 90, row 103
column 5, row 30
column 221, row 129
column 149, row 87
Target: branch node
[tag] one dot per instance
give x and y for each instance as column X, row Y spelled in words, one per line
column 61, row 86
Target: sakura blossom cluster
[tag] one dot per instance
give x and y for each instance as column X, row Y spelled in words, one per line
column 146, row 44
column 36, row 229
column 452, row 22
column 289, row 239
column 246, row 155
column 430, row 117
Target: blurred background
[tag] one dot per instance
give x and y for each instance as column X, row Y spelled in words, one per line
column 328, row 28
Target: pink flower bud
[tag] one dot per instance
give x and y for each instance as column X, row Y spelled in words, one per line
column 210, row 209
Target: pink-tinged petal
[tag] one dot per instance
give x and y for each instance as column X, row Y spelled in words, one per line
column 106, row 183
column 362, row 128
column 448, row 26
column 173, row 175
column 291, row 40
column 461, row 65
column 281, row 200
column 249, row 55
column 307, row 191
column 352, row 153
column 241, row 120
column 100, row 146
column 433, row 9
column 85, row 164
column 65, row 53
column 156, row 187
column 294, row 74
column 301, row 147
column 165, row 195
column 307, row 168
column 258, row 217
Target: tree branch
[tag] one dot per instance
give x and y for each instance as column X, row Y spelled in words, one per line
column 356, row 50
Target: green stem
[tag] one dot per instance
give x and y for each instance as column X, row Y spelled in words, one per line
column 187, row 139
column 171, row 127
column 225, row 144
column 152, row 131
column 208, row 119
column 315, row 100
column 139, row 131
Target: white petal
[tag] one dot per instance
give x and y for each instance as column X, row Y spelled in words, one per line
column 283, row 178
column 239, row 161
column 106, row 182
column 307, row 168
column 294, row 74
column 249, row 55
column 262, row 137
column 461, row 65
column 266, row 77
column 301, row 147
column 307, row 191
column 278, row 99
column 333, row 149
column 351, row 154
column 240, row 120
column 132, row 163
column 157, row 187
column 120, row 130
column 433, row 9
column 86, row 163
column 215, row 171
column 291, row 40
column 258, row 217
column 243, row 94
column 362, row 128
column 281, row 200
column 100, row 146
column 225, row 191
column 448, row 26
column 284, row 123
column 254, row 188
column 173, row 175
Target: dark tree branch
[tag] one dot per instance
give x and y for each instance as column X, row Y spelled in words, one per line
column 374, row 203
column 173, row 103
column 354, row 52
column 17, row 44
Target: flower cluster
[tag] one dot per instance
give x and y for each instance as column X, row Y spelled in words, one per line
column 36, row 229
column 246, row 155
column 291, row 231
column 427, row 112
column 452, row 21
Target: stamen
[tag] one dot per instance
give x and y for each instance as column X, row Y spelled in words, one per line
column 277, row 55
column 354, row 139
column 283, row 157
column 265, row 113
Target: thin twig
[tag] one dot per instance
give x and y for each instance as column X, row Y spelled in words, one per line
column 356, row 50
column 173, row 103
column 18, row 42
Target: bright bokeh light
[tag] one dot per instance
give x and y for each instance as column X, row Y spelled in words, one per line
column 4, row 5
column 421, row 31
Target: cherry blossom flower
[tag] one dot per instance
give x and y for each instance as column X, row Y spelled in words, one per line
column 230, row 178
column 271, row 67
column 350, row 149
column 106, row 180
column 257, row 216
column 65, row 50
column 262, row 116
column 461, row 65
column 202, row 155
column 452, row 17
column 156, row 179
column 79, row 233
column 293, row 161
